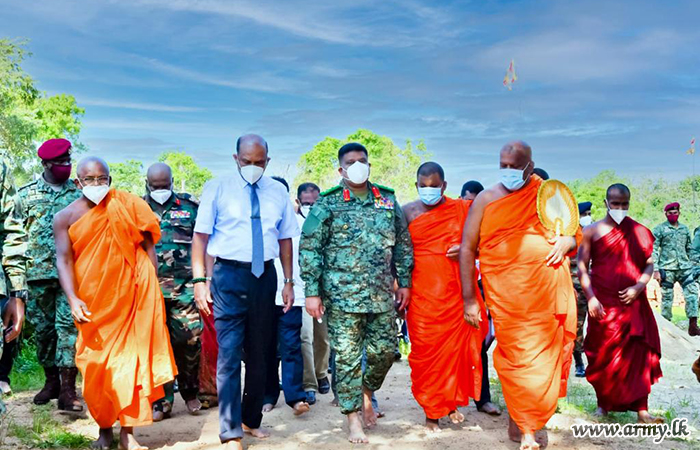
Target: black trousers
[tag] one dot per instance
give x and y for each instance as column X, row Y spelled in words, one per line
column 244, row 314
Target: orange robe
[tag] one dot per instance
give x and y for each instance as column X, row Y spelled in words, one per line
column 445, row 354
column 124, row 353
column 533, row 307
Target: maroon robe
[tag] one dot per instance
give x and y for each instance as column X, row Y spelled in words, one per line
column 623, row 349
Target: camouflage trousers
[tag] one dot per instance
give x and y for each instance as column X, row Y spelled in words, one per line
column 185, row 328
column 3, row 303
column 54, row 330
column 350, row 334
column 690, row 292
column 581, row 314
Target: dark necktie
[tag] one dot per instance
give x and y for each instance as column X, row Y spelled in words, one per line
column 258, row 263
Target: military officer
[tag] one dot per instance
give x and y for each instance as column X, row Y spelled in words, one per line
column 177, row 213
column 48, row 308
column 672, row 264
column 355, row 244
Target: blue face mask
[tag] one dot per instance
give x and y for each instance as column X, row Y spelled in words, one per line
column 512, row 179
column 430, row 195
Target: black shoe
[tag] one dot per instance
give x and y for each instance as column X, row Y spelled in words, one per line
column 324, row 386
column 580, row 370
column 311, row 397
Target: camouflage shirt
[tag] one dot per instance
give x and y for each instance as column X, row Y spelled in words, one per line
column 12, row 234
column 351, row 250
column 177, row 217
column 41, row 203
column 672, row 247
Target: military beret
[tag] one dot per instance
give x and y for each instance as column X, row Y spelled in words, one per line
column 584, row 206
column 53, row 148
column 674, row 205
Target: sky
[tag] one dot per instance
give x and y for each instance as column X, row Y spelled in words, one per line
column 602, row 84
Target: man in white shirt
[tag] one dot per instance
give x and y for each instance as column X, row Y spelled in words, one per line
column 245, row 221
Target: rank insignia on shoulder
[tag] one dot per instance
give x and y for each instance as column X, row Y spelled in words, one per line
column 383, row 203
column 180, row 214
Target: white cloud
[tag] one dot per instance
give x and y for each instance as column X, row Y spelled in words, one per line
column 120, row 104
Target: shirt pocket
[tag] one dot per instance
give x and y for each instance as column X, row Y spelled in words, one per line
column 182, row 229
column 384, row 224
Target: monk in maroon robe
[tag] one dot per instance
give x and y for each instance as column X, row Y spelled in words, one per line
column 622, row 343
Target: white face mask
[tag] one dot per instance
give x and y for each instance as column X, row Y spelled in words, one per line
column 251, row 173
column 304, row 210
column 358, row 172
column 161, row 196
column 512, row 179
column 586, row 220
column 618, row 215
column 95, row 193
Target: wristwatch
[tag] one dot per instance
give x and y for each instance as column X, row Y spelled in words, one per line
column 289, row 280
column 23, row 294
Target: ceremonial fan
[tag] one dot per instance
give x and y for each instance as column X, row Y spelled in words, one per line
column 557, row 208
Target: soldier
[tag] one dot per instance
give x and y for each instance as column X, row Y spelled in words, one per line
column 353, row 241
column 672, row 251
column 584, row 211
column 48, row 309
column 13, row 253
column 177, row 213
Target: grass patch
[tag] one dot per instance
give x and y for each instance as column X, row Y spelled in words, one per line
column 27, row 374
column 46, row 432
column 679, row 319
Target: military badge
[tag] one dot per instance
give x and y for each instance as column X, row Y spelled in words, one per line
column 383, row 203
column 180, row 215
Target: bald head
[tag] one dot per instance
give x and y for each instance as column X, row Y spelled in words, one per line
column 159, row 176
column 251, row 150
column 517, row 155
column 92, row 166
column 247, row 141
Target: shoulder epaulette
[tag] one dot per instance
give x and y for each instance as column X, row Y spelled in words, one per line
column 384, row 188
column 331, row 190
column 28, row 185
column 188, row 197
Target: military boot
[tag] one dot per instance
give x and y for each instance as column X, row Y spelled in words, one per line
column 68, row 398
column 693, row 329
column 51, row 389
column 580, row 367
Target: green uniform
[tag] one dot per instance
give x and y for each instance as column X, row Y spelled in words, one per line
column 350, row 253
column 48, row 309
column 672, row 252
column 581, row 306
column 177, row 219
column 14, row 243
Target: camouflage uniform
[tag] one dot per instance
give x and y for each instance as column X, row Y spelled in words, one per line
column 672, row 251
column 177, row 219
column 350, row 252
column 581, row 306
column 13, row 251
column 48, row 309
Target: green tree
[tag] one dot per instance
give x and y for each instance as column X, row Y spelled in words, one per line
column 188, row 175
column 391, row 165
column 129, row 176
column 28, row 116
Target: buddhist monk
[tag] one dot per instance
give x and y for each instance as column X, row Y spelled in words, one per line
column 622, row 343
column 527, row 284
column 445, row 354
column 105, row 251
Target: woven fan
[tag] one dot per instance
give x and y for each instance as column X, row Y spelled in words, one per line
column 557, row 208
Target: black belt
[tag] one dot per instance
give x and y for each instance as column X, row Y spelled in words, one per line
column 241, row 264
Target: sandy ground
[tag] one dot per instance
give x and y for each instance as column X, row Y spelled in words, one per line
column 324, row 427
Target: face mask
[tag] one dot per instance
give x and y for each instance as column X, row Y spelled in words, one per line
column 673, row 218
column 161, row 195
column 61, row 173
column 95, row 193
column 358, row 172
column 618, row 215
column 512, row 179
column 304, row 210
column 430, row 195
column 251, row 173
column 586, row 220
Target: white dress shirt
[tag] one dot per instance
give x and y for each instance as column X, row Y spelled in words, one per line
column 299, row 296
column 224, row 213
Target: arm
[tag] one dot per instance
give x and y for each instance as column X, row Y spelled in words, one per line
column 629, row 294
column 656, row 253
column 286, row 256
column 314, row 237
column 66, row 269
column 150, row 248
column 695, row 248
column 467, row 260
column 595, row 308
column 202, row 264
column 402, row 258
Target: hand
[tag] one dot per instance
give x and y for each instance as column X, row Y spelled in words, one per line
column 314, row 306
column 453, row 253
column 79, row 310
column 13, row 319
column 403, row 298
column 595, row 309
column 288, row 297
column 629, row 294
column 562, row 246
column 472, row 313
column 202, row 297
column 657, row 276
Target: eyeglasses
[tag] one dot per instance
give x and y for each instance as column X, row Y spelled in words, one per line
column 94, row 181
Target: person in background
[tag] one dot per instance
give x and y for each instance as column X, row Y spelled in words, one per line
column 584, row 211
column 541, row 173
column 471, row 189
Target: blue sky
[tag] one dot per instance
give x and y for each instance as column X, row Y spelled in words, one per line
column 602, row 84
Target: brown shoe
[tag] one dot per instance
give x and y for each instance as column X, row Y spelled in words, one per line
column 696, row 369
column 693, row 329
column 68, row 398
column 51, row 389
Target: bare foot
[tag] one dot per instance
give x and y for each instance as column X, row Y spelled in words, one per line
column 368, row 412
column 432, row 426
column 490, row 409
column 600, row 412
column 542, row 438
column 643, row 416
column 127, row 441
column 300, row 408
column 193, row 406
column 528, row 442
column 104, row 441
column 267, row 407
column 357, row 434
column 514, row 433
column 256, row 432
column 456, row 417
column 234, row 444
